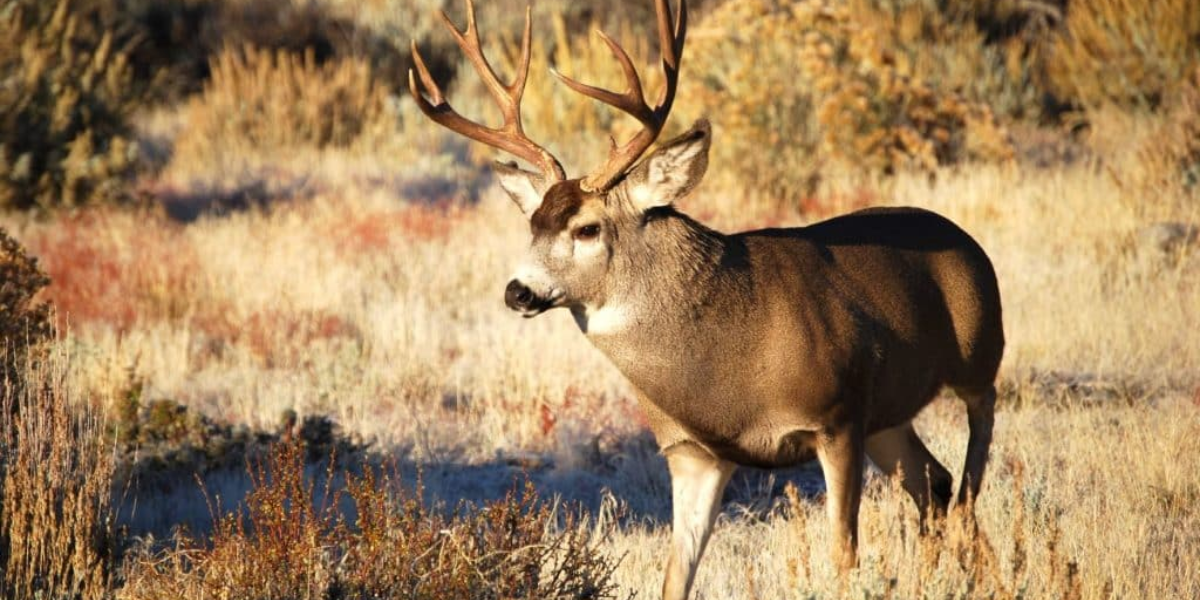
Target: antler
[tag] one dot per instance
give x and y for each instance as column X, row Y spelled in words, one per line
column 510, row 137
column 632, row 101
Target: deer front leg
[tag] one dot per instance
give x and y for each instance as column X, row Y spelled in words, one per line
column 840, row 451
column 697, row 482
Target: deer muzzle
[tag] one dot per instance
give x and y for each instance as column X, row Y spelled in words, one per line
column 521, row 298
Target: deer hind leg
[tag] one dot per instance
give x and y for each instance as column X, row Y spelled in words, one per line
column 697, row 482
column 924, row 478
column 840, row 452
column 981, row 409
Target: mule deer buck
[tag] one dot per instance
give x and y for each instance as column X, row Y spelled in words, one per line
column 763, row 348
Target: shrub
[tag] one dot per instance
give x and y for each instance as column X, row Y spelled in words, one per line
column 291, row 542
column 1123, row 51
column 24, row 322
column 1166, row 155
column 181, row 38
column 794, row 86
column 573, row 126
column 877, row 106
column 504, row 549
column 1184, row 133
column 56, row 469
column 739, row 70
column 63, row 108
column 263, row 100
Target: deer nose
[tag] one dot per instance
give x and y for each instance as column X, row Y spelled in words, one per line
column 518, row 296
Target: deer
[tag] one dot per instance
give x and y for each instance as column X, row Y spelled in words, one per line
column 764, row 348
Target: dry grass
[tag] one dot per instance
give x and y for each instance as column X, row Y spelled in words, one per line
column 57, row 532
column 292, row 542
column 358, row 273
column 388, row 317
column 1080, row 503
column 258, row 102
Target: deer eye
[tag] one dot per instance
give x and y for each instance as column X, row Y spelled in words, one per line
column 586, row 232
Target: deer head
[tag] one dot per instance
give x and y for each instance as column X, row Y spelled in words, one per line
column 580, row 227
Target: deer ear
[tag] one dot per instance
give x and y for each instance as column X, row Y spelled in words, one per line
column 524, row 187
column 671, row 171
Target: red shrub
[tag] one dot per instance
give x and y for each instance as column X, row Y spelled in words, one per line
column 374, row 231
column 96, row 276
column 276, row 336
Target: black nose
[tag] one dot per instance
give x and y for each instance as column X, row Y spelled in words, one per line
column 517, row 296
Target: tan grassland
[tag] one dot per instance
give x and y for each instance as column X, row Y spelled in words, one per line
column 388, row 317
column 362, row 278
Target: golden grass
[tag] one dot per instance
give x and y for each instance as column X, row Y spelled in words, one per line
column 372, row 292
column 388, row 316
column 358, row 306
column 292, row 542
column 259, row 102
column 57, row 532
column 1081, row 502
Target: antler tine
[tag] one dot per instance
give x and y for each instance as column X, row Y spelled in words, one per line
column 632, row 101
column 509, row 137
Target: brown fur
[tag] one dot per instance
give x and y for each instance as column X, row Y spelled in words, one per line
column 864, row 317
column 561, row 203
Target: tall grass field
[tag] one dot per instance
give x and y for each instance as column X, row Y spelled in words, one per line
column 255, row 343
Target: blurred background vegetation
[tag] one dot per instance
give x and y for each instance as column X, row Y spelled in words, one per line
column 867, row 86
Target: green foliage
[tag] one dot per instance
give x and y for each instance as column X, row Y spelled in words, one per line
column 63, row 108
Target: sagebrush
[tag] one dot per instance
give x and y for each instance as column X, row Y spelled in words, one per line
column 64, row 113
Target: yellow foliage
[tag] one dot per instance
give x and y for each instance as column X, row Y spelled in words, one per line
column 575, row 127
column 1124, row 51
column 262, row 100
column 740, row 72
column 797, row 86
column 875, row 93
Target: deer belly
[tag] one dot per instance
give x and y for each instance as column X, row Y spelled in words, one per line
column 767, row 450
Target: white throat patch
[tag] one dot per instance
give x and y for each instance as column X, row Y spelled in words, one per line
column 609, row 319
